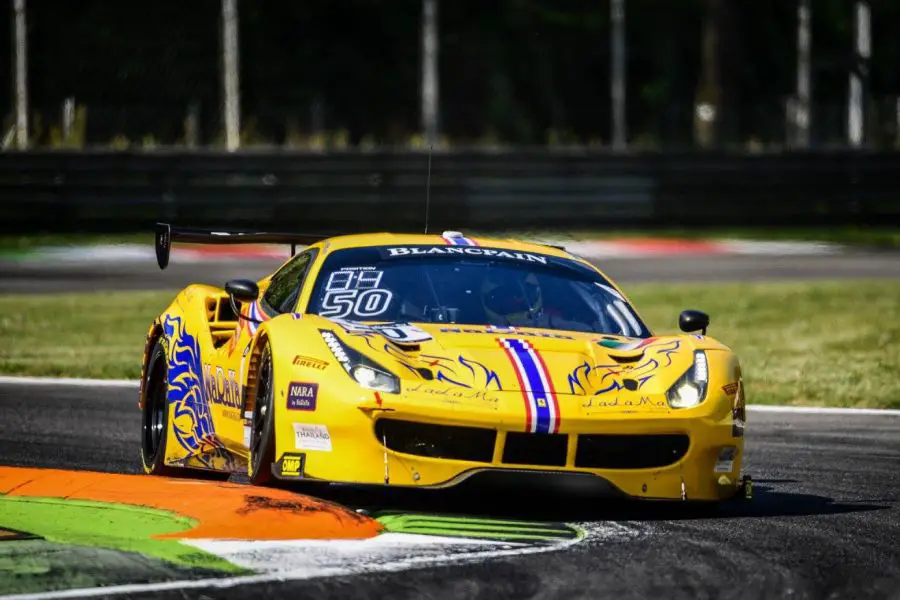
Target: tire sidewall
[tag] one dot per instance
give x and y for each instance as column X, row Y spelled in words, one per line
column 159, row 373
column 261, row 462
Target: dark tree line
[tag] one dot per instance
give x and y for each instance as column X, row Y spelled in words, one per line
column 511, row 71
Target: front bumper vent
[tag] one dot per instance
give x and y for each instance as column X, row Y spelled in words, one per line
column 546, row 450
column 437, row 441
column 630, row 451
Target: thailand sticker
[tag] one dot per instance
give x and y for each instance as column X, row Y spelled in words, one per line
column 312, row 437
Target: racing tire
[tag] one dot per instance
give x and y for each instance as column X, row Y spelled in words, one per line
column 155, row 423
column 155, row 415
column 262, row 432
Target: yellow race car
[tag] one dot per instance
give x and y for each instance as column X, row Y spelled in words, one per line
column 427, row 360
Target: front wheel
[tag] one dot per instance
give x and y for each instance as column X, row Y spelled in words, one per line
column 262, row 433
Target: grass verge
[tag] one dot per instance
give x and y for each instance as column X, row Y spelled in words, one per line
column 815, row 343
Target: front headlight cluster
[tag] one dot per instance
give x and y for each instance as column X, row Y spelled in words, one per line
column 690, row 389
column 363, row 370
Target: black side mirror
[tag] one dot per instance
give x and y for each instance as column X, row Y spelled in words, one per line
column 242, row 290
column 693, row 320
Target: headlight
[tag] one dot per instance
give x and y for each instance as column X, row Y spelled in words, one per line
column 690, row 389
column 363, row 370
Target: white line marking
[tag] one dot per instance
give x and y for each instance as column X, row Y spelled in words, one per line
column 350, row 567
column 823, row 410
column 67, row 381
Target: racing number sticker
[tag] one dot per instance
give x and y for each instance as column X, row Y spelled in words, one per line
column 355, row 292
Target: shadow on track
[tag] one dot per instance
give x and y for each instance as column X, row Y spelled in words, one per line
column 548, row 504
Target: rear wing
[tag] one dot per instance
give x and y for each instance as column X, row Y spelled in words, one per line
column 166, row 234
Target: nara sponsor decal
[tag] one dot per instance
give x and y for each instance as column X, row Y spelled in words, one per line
column 312, row 437
column 302, row 395
column 291, row 465
column 309, row 362
column 465, row 250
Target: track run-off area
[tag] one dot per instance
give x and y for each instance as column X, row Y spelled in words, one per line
column 823, row 522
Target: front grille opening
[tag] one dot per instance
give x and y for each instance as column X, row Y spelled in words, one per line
column 548, row 450
column 437, row 441
column 630, row 451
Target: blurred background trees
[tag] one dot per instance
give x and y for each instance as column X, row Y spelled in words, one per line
column 330, row 73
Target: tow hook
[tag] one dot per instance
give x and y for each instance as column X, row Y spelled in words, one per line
column 747, row 486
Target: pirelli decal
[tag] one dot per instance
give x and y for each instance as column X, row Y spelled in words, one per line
column 538, row 393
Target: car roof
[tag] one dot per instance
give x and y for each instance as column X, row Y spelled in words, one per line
column 447, row 238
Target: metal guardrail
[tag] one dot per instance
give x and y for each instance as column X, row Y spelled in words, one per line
column 115, row 191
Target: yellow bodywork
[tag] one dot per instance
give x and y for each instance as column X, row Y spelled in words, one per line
column 461, row 377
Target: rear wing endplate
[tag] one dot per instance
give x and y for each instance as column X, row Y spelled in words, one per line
column 166, row 234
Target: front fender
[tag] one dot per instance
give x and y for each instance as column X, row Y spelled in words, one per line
column 298, row 355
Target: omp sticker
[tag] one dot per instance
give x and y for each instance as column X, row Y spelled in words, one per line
column 464, row 250
column 309, row 362
column 292, row 465
column 312, row 437
column 730, row 389
column 302, row 395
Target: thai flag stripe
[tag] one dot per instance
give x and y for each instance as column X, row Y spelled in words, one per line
column 530, row 420
column 459, row 241
column 537, row 389
column 552, row 401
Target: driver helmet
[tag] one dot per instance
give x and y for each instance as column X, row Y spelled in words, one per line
column 510, row 299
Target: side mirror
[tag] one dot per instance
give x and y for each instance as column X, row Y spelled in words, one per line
column 693, row 320
column 242, row 290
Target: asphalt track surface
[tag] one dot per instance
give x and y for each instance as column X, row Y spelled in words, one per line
column 824, row 521
column 25, row 277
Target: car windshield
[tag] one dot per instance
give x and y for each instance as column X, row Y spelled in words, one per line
column 471, row 286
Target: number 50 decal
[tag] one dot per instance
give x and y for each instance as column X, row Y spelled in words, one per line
column 361, row 303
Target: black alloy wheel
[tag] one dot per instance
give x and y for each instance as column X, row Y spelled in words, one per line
column 262, row 435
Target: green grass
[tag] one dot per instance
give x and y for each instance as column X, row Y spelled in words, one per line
column 822, row 343
column 819, row 343
column 77, row 335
